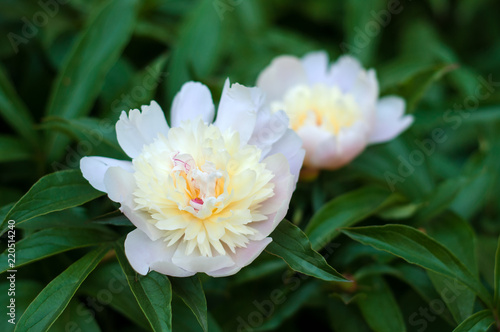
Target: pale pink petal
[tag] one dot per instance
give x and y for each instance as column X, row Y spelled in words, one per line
column 312, row 137
column 243, row 257
column 344, row 72
column 238, row 109
column 283, row 73
column 120, row 186
column 316, row 66
column 365, row 91
column 195, row 262
column 138, row 129
column 275, row 207
column 289, row 145
column 94, row 168
column 269, row 128
column 390, row 120
column 145, row 255
column 192, row 101
column 339, row 150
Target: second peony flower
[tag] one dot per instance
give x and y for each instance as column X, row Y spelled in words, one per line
column 335, row 108
column 204, row 196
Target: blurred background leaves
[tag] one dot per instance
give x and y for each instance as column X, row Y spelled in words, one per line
column 68, row 68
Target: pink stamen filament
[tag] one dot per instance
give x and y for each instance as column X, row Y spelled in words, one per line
column 196, row 203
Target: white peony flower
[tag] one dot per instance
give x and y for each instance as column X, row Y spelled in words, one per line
column 204, row 196
column 335, row 108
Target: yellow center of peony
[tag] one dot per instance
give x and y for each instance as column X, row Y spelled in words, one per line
column 201, row 187
column 320, row 105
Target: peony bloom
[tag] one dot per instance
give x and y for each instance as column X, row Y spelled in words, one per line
column 335, row 108
column 204, row 196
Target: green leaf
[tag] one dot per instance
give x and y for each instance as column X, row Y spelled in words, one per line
column 53, row 241
column 14, row 111
column 413, row 89
column 52, row 300
column 153, row 292
column 200, row 31
column 109, row 277
column 191, row 292
column 497, row 276
column 98, row 135
column 295, row 301
column 81, row 78
column 458, row 236
column 479, row 322
column 440, row 198
column 351, row 317
column 293, row 246
column 357, row 14
column 30, row 288
column 417, row 248
column 13, row 149
column 343, row 211
column 128, row 97
column 76, row 317
column 379, row 308
column 54, row 192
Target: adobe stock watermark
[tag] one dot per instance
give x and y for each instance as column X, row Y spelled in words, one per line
column 223, row 6
column 31, row 26
column 381, row 19
column 95, row 136
column 265, row 308
column 427, row 146
column 436, row 307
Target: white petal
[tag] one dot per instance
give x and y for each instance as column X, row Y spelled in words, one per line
column 289, row 145
column 316, row 66
column 238, row 109
column 243, row 257
column 197, row 263
column 296, row 161
column 344, row 72
column 145, row 255
column 120, row 186
column 339, row 150
column 276, row 207
column 390, row 120
column 365, row 91
column 138, row 129
column 312, row 137
column 192, row 101
column 283, row 73
column 269, row 128
column 94, row 168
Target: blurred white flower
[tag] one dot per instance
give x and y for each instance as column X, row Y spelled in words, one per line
column 335, row 108
column 204, row 197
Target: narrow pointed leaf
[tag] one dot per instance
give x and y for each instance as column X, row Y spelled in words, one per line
column 379, row 308
column 14, row 111
column 54, row 192
column 13, row 149
column 344, row 211
column 417, row 248
column 94, row 53
column 53, row 241
column 53, row 299
column 479, row 322
column 153, row 292
column 497, row 275
column 191, row 292
column 293, row 246
column 414, row 88
column 458, row 236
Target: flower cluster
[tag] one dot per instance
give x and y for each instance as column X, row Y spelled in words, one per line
column 205, row 195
